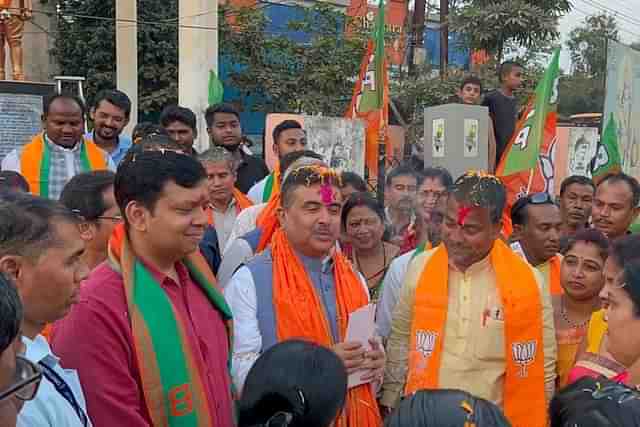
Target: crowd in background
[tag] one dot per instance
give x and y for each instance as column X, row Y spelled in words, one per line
column 144, row 283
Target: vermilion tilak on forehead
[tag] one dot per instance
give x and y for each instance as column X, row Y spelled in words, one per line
column 326, row 193
column 463, row 213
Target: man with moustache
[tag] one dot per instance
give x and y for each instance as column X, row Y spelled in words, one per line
column 110, row 115
column 225, row 130
column 576, row 200
column 158, row 349
column 460, row 323
column 615, row 205
column 536, row 227
column 400, row 192
column 301, row 287
column 59, row 153
column 432, row 186
column 41, row 252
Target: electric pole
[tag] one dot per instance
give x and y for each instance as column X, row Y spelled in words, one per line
column 417, row 33
column 444, row 38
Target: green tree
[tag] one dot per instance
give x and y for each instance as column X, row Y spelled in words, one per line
column 284, row 75
column 493, row 25
column 86, row 47
column 587, row 44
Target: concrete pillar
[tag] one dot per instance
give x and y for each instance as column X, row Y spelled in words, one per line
column 127, row 54
column 198, row 54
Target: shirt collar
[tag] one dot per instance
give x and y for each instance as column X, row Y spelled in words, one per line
column 52, row 145
column 479, row 266
column 230, row 206
column 319, row 265
column 160, row 277
column 38, row 350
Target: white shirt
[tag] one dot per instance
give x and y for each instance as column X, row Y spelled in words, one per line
column 50, row 408
column 391, row 286
column 256, row 193
column 224, row 222
column 241, row 296
column 245, row 222
column 69, row 166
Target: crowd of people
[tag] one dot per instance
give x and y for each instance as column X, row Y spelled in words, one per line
column 144, row 283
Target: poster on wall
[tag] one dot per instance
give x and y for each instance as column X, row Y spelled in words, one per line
column 623, row 100
column 438, row 138
column 582, row 147
column 470, row 138
column 340, row 141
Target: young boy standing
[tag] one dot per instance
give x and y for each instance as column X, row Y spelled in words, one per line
column 503, row 106
column 469, row 93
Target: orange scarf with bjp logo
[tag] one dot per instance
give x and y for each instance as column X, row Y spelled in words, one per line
column 524, row 384
column 291, row 285
column 242, row 203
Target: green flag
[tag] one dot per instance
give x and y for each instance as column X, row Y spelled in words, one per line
column 607, row 159
column 372, row 94
column 536, row 128
column 216, row 89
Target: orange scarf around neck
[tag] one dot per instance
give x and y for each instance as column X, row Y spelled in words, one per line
column 524, row 384
column 554, row 275
column 268, row 221
column 242, row 203
column 291, row 288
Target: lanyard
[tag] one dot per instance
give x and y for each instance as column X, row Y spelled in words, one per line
column 65, row 391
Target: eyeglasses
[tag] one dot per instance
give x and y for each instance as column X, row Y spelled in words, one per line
column 115, row 218
column 26, row 381
column 532, row 199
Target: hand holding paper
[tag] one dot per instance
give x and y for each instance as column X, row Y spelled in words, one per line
column 361, row 329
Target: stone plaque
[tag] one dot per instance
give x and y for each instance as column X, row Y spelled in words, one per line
column 20, row 116
column 20, row 112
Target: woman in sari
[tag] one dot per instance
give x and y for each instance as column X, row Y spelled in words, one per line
column 595, row 356
column 582, row 279
column 363, row 225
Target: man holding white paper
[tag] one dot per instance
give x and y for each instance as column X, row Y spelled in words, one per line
column 302, row 288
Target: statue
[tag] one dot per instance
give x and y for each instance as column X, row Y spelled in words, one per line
column 13, row 14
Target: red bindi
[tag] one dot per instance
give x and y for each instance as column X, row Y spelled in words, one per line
column 463, row 213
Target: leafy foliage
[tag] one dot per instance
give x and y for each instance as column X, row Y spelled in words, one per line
column 587, row 44
column 86, row 47
column 493, row 24
column 311, row 77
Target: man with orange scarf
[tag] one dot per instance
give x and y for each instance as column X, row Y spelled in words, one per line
column 473, row 315
column 258, row 222
column 226, row 201
column 300, row 287
column 150, row 336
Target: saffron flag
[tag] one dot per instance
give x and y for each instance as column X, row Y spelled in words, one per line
column 370, row 100
column 607, row 159
column 527, row 164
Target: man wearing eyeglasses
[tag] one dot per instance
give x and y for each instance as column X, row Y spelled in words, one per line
column 41, row 252
column 432, row 187
column 90, row 196
column 19, row 377
column 537, row 227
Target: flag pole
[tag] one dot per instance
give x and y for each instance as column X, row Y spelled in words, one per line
column 382, row 154
column 530, row 180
